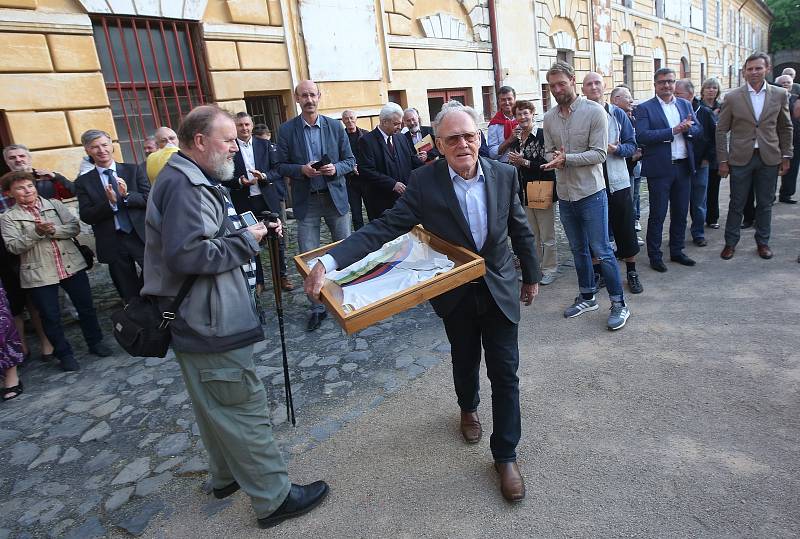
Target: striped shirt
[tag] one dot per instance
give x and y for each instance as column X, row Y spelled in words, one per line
column 249, row 267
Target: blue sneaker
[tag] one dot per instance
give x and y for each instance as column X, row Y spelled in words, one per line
column 581, row 306
column 618, row 316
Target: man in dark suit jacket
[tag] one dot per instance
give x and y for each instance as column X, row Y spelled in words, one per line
column 355, row 187
column 257, row 187
column 385, row 161
column 112, row 197
column 473, row 203
column 665, row 126
column 314, row 152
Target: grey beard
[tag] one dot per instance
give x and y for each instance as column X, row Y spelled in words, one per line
column 414, row 130
column 224, row 170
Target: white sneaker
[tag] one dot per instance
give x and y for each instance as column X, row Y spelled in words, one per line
column 637, row 225
column 548, row 278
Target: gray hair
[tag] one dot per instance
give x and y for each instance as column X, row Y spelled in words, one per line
column 789, row 71
column 349, row 111
column 200, row 120
column 618, row 90
column 686, row 84
column 390, row 110
column 411, row 109
column 782, row 78
column 93, row 134
column 12, row 147
column 455, row 106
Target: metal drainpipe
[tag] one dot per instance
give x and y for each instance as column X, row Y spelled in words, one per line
column 498, row 68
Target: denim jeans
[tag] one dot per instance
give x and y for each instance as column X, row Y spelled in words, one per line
column 46, row 300
column 697, row 202
column 636, row 183
column 321, row 206
column 585, row 223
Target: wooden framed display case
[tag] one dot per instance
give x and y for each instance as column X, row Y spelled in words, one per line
column 468, row 267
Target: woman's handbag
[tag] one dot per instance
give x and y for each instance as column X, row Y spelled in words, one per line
column 540, row 194
column 142, row 329
column 86, row 252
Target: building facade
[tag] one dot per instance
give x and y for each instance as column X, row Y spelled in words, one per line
column 129, row 66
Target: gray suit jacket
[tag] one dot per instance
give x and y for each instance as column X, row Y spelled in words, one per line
column 773, row 129
column 292, row 155
column 430, row 200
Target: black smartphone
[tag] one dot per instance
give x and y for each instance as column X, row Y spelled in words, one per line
column 322, row 162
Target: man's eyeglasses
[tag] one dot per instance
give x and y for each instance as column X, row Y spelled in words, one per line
column 453, row 140
column 665, row 82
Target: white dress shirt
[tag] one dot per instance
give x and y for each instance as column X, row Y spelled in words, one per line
column 673, row 115
column 246, row 149
column 104, row 180
column 471, row 195
column 757, row 99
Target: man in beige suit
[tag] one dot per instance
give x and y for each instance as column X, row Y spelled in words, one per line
column 757, row 117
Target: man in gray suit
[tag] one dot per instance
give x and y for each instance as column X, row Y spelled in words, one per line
column 313, row 150
column 473, row 203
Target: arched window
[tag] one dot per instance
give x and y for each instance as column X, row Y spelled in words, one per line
column 685, row 71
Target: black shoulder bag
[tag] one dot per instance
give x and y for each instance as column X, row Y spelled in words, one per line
column 141, row 328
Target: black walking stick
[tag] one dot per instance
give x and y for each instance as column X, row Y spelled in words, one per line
column 274, row 259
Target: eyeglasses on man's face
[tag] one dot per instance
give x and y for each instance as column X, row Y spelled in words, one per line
column 454, row 140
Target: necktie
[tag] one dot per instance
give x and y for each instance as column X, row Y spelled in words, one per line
column 390, row 145
column 122, row 217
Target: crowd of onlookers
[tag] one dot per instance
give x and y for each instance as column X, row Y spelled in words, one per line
column 591, row 171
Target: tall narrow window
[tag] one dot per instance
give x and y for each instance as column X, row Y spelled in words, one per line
column 154, row 74
column 266, row 109
column 685, row 72
column 627, row 70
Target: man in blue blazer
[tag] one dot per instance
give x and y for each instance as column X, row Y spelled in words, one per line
column 385, row 161
column 112, row 198
column 313, row 150
column 665, row 126
column 256, row 186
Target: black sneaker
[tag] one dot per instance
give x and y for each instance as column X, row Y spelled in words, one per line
column 299, row 501
column 69, row 364
column 634, row 283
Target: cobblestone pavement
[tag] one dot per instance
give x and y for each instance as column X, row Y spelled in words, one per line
column 92, row 453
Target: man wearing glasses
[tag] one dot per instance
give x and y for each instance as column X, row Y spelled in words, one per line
column 665, row 126
column 471, row 202
column 314, row 151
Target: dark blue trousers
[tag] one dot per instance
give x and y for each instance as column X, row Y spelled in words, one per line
column 669, row 191
column 478, row 320
column 46, row 300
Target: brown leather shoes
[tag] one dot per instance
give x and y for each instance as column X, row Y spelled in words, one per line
column 286, row 284
column 512, row 485
column 764, row 251
column 471, row 428
column 727, row 252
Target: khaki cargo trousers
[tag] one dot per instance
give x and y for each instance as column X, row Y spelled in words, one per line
column 230, row 405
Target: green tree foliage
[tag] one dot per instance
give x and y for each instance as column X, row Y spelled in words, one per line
column 786, row 25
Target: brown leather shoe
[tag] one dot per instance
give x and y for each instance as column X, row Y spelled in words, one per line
column 764, row 251
column 727, row 252
column 512, row 485
column 471, row 428
column 286, row 284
